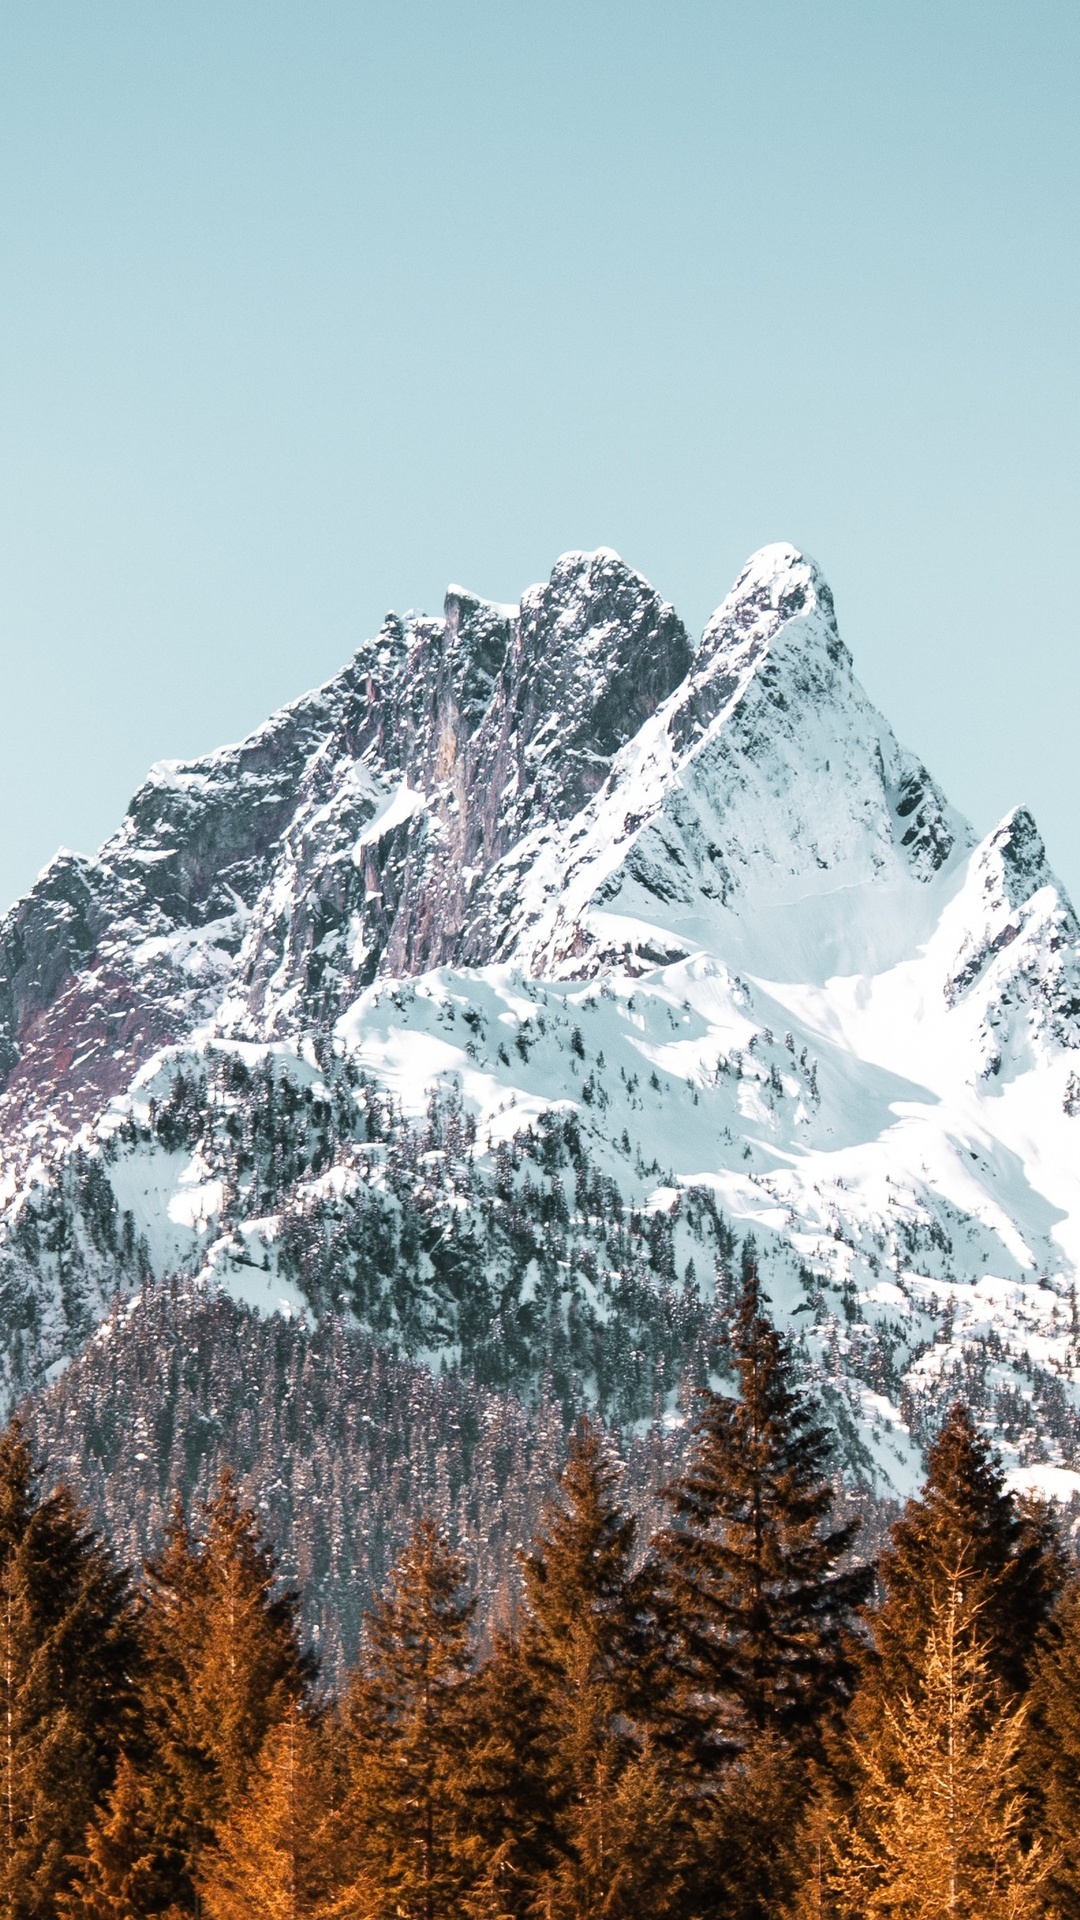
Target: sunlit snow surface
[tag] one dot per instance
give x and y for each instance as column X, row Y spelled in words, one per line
column 763, row 957
column 836, row 1118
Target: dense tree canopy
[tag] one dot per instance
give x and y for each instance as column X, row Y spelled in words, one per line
column 712, row 1723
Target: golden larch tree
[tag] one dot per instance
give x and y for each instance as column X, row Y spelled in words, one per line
column 940, row 1825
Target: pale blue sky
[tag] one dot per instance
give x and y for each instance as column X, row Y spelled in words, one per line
column 308, row 309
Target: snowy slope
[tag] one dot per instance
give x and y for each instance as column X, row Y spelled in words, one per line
column 496, row 989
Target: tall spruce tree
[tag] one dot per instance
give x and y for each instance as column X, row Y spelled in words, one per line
column 69, row 1660
column 1051, row 1755
column 123, row 1875
column 505, row 1815
column 222, row 1668
column 758, row 1604
column 396, row 1841
column 1012, row 1562
column 939, row 1824
column 270, row 1856
column 243, row 1670
column 585, row 1641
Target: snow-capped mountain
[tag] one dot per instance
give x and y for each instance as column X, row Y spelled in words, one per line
column 493, row 992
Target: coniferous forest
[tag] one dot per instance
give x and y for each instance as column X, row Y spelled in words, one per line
column 737, row 1713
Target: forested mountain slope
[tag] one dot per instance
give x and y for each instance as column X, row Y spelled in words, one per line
column 489, row 995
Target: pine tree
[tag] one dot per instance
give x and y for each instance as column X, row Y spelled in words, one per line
column 745, row 1858
column 396, row 1843
column 1051, row 1754
column 612, row 1818
column 123, row 1876
column 223, row 1668
column 501, row 1791
column 965, row 1516
column 758, row 1604
column 248, row 1672
column 938, row 1831
column 270, row 1858
column 68, row 1666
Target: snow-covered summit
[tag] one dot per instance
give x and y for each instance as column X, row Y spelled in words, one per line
column 766, row 806
column 543, row 886
column 776, row 583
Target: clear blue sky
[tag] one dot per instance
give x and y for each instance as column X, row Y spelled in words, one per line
column 308, row 309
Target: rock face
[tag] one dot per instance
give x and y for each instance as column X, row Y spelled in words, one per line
column 491, row 992
column 358, row 826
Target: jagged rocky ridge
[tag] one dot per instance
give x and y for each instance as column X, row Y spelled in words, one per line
column 488, row 995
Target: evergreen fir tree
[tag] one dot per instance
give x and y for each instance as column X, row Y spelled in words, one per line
column 270, row 1857
column 223, row 1668
column 585, row 1642
column 68, row 1668
column 939, row 1824
column 750, row 1590
column 578, row 1575
column 1011, row 1559
column 505, row 1817
column 396, row 1842
column 249, row 1671
column 123, row 1876
column 745, row 1860
column 1051, row 1754
column 757, row 1602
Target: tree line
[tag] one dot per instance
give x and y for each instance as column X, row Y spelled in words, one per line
column 733, row 1718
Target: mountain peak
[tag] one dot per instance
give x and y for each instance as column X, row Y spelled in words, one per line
column 778, row 585
column 597, row 650
column 1017, row 850
column 538, row 887
column 777, row 566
